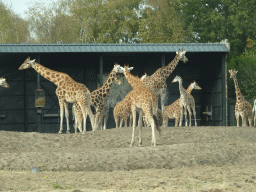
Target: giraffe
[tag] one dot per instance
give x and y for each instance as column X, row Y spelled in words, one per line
column 146, row 101
column 184, row 102
column 68, row 91
column 3, row 82
column 157, row 82
column 242, row 108
column 78, row 118
column 122, row 109
column 99, row 98
column 173, row 111
column 254, row 112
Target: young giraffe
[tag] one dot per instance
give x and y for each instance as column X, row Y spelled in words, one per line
column 78, row 116
column 184, row 102
column 68, row 90
column 146, row 101
column 173, row 111
column 242, row 108
column 100, row 96
column 122, row 109
column 157, row 82
column 3, row 82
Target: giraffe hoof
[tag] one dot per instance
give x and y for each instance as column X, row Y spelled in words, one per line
column 140, row 145
column 67, row 132
column 60, row 132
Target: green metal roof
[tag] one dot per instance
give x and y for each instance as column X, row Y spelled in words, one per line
column 104, row 48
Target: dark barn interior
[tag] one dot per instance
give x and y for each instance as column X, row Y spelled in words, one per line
column 17, row 104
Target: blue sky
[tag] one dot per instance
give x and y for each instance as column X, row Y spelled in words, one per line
column 20, row 6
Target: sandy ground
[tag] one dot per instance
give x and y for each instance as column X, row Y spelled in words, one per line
column 211, row 159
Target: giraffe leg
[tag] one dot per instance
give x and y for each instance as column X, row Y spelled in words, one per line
column 153, row 126
column 116, row 121
column 140, row 126
column 83, row 119
column 61, row 115
column 186, row 116
column 194, row 112
column 237, row 119
column 162, row 105
column 125, row 122
column 250, row 120
column 134, row 123
column 181, row 116
column 177, row 119
column 105, row 122
column 190, row 114
column 121, row 122
column 67, row 116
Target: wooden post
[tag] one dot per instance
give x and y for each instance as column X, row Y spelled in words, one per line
column 163, row 61
column 39, row 109
column 101, row 70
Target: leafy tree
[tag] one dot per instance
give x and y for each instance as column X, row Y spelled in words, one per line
column 246, row 71
column 13, row 29
column 161, row 22
column 215, row 20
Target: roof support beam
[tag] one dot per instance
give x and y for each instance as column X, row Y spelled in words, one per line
column 38, row 75
column 163, row 61
column 101, row 70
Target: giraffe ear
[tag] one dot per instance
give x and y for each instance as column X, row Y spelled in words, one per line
column 177, row 52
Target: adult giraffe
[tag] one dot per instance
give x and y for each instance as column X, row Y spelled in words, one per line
column 68, row 91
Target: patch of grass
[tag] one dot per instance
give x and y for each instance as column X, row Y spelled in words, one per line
column 55, row 185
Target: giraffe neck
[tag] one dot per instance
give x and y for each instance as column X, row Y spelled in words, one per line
column 238, row 91
column 108, row 83
column 182, row 90
column 164, row 72
column 51, row 75
column 131, row 79
column 189, row 89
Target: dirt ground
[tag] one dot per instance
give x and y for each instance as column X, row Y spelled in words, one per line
column 211, row 159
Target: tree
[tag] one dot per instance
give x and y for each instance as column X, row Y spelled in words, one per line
column 215, row 20
column 13, row 29
column 161, row 22
column 246, row 71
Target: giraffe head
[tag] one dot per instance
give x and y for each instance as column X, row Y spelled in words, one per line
column 195, row 86
column 27, row 64
column 233, row 73
column 119, row 69
column 177, row 79
column 127, row 68
column 181, row 55
column 3, row 82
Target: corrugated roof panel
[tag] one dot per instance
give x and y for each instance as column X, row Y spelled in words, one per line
column 189, row 47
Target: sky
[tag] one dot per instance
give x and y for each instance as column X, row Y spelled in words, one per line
column 20, row 6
